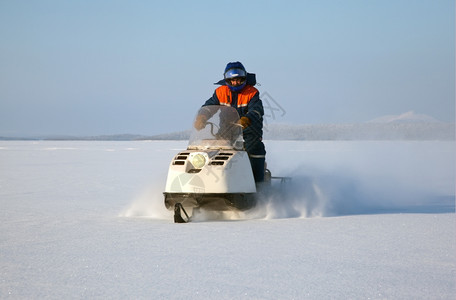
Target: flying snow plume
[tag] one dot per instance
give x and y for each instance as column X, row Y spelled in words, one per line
column 339, row 178
column 348, row 192
column 316, row 193
column 148, row 204
column 206, row 215
column 298, row 197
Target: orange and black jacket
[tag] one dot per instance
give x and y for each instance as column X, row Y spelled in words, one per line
column 248, row 104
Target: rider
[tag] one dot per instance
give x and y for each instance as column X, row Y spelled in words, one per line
column 237, row 90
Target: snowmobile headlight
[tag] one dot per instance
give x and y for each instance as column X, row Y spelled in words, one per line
column 198, row 161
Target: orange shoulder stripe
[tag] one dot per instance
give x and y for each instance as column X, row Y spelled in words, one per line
column 246, row 95
column 224, row 95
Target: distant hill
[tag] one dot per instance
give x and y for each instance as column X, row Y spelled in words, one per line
column 365, row 131
column 181, row 135
column 408, row 117
column 407, row 126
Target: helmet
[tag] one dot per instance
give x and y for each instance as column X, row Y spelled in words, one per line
column 235, row 70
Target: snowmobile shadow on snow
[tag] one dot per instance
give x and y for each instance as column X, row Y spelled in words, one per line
column 214, row 172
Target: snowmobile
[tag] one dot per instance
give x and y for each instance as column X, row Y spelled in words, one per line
column 214, row 172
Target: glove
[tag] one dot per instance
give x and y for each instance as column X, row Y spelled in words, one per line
column 200, row 122
column 245, row 122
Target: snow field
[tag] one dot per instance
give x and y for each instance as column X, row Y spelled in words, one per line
column 362, row 220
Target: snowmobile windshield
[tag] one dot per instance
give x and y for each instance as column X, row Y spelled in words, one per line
column 216, row 127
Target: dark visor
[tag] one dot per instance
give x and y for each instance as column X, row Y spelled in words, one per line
column 232, row 73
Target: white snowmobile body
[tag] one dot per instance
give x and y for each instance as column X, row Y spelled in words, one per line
column 214, row 172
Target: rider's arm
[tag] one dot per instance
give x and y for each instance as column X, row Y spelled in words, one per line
column 212, row 100
column 205, row 114
column 255, row 109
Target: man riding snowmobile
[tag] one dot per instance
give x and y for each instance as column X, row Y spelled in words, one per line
column 237, row 90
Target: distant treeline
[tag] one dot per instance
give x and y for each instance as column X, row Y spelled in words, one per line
column 365, row 131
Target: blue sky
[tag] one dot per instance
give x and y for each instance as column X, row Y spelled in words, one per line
column 145, row 67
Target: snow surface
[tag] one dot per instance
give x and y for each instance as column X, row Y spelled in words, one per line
column 362, row 220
